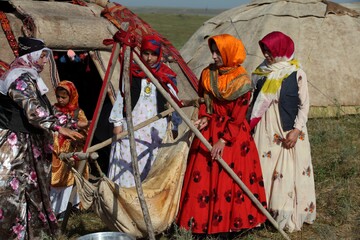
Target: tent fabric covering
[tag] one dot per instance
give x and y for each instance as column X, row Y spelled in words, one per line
column 120, row 209
column 61, row 25
column 325, row 36
column 64, row 25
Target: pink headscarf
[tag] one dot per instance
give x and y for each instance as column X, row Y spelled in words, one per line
column 282, row 50
column 280, row 46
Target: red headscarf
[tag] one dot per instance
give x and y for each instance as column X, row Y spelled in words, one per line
column 152, row 43
column 282, row 50
column 280, row 46
column 73, row 97
column 159, row 69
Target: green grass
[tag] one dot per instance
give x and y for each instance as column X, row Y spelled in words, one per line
column 177, row 28
column 335, row 149
column 336, row 155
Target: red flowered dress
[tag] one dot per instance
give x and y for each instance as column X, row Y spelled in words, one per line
column 211, row 201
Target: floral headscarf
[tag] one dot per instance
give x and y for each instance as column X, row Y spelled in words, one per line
column 282, row 50
column 230, row 81
column 26, row 63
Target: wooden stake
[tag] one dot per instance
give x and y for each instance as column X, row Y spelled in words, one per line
column 108, row 141
column 133, row 152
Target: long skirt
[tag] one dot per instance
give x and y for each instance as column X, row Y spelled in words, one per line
column 211, row 201
column 25, row 168
column 148, row 140
column 288, row 173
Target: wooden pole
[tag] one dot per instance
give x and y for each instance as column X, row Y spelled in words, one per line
column 208, row 145
column 81, row 167
column 119, row 136
column 133, row 152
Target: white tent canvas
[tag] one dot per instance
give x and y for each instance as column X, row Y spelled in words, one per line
column 326, row 36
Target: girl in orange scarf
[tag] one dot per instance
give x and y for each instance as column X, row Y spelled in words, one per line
column 211, row 201
column 69, row 114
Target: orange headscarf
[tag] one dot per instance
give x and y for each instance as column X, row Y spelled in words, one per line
column 231, row 80
column 73, row 98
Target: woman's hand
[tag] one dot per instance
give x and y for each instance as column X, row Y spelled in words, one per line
column 218, row 149
column 70, row 133
column 291, row 138
column 117, row 130
column 201, row 123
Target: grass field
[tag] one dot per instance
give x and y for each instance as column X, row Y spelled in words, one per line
column 177, row 28
column 335, row 152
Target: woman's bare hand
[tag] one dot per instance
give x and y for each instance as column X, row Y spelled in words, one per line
column 218, row 149
column 201, row 123
column 70, row 133
column 117, row 130
column 291, row 138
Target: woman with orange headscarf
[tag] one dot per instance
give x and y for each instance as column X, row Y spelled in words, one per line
column 70, row 115
column 211, row 201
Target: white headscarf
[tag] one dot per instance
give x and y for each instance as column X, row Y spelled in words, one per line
column 25, row 64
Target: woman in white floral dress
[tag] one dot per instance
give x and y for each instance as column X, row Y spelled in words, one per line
column 146, row 102
column 279, row 116
column 26, row 125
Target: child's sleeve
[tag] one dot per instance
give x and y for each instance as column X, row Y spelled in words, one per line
column 237, row 118
column 304, row 105
column 175, row 117
column 116, row 115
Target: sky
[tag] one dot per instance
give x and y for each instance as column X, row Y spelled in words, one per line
column 213, row 4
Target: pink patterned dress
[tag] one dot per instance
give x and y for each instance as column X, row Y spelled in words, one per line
column 25, row 167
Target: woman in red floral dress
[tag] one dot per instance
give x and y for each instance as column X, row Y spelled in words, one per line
column 211, row 201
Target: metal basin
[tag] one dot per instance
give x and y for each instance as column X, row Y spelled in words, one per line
column 107, row 236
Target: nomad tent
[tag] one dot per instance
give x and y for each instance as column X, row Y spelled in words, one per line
column 326, row 36
column 82, row 27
